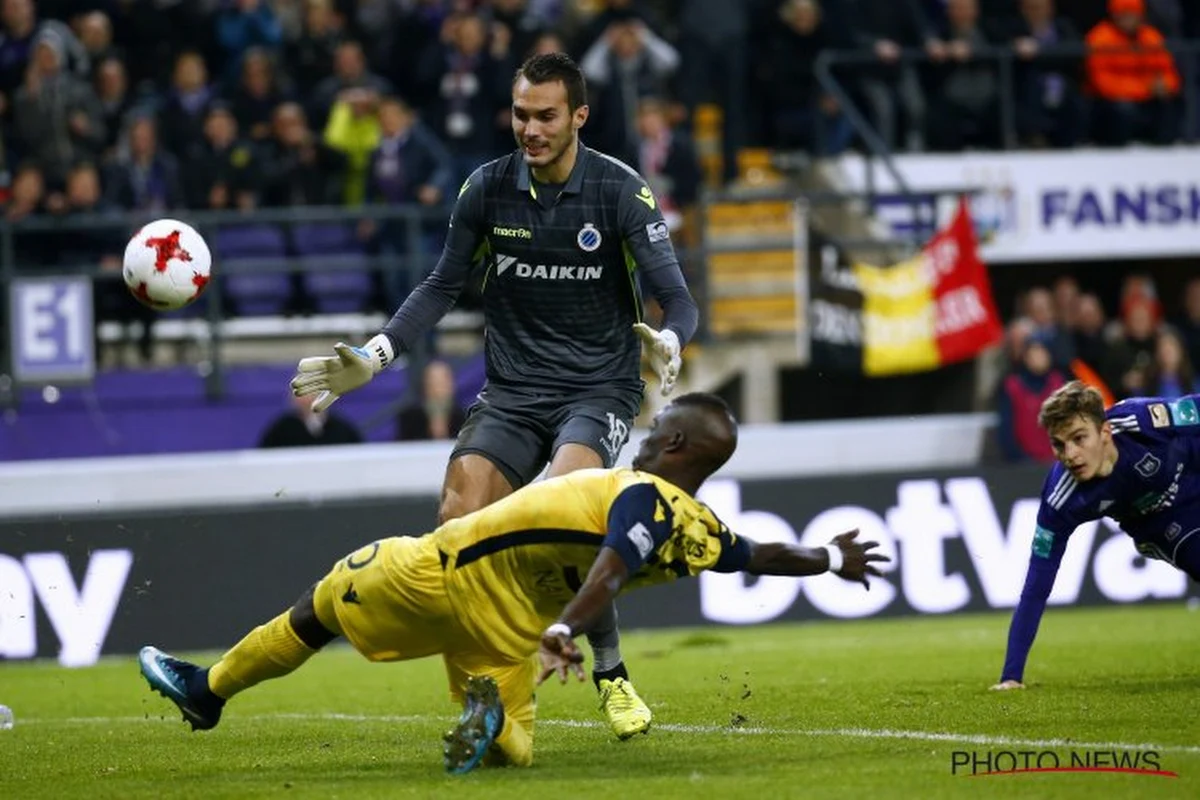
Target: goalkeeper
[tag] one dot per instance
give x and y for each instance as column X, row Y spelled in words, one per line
column 565, row 237
column 491, row 591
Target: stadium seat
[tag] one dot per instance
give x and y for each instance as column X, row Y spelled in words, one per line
column 253, row 291
column 337, row 277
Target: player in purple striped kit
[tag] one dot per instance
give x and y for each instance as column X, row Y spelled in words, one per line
column 1138, row 463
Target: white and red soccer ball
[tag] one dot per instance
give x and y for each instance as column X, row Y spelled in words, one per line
column 167, row 264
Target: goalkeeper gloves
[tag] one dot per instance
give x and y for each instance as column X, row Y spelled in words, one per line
column 330, row 377
column 663, row 347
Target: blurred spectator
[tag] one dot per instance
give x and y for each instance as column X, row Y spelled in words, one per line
column 103, row 247
column 224, row 173
column 668, row 162
column 626, row 64
column 152, row 33
column 245, row 24
column 1093, row 362
column 1066, row 301
column 1189, row 322
column 1133, row 78
column 353, row 131
column 1133, row 350
column 420, row 31
column 802, row 114
column 547, row 42
column 298, row 168
column 28, row 197
column 964, row 104
column 1049, row 107
column 1171, row 373
column 181, row 118
column 374, row 23
column 472, row 91
column 437, row 414
column 57, row 116
column 606, row 13
column 16, row 48
column 523, row 24
column 257, row 94
column 116, row 101
column 310, row 57
column 87, row 246
column 303, row 427
column 1088, row 336
column 410, row 165
column 27, row 192
column 1039, row 308
column 349, row 72
column 144, row 178
column 891, row 88
column 713, row 37
column 96, row 35
column 1022, row 392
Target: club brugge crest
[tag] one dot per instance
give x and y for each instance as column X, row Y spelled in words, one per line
column 588, row 238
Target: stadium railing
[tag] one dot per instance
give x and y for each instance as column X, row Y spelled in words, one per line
column 837, row 70
column 211, row 321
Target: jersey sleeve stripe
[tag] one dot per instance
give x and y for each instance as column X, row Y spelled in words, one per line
column 506, row 541
column 1064, row 489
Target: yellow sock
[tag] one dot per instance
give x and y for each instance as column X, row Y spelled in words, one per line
column 269, row 651
column 515, row 742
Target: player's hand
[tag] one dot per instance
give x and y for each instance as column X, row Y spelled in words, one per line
column 1004, row 686
column 330, row 377
column 663, row 347
column 857, row 559
column 559, row 654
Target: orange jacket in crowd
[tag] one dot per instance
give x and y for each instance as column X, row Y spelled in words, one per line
column 1129, row 76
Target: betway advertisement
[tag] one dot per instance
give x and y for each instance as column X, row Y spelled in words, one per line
column 75, row 589
column 1080, row 204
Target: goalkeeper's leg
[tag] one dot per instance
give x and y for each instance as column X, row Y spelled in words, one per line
column 627, row 714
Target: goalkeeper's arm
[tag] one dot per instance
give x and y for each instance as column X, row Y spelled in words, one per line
column 330, row 377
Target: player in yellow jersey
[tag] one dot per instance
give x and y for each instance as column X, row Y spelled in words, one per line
column 488, row 590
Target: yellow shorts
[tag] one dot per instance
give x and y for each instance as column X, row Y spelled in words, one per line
column 389, row 600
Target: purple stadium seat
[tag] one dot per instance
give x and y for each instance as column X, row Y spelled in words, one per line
column 253, row 292
column 168, row 411
column 337, row 278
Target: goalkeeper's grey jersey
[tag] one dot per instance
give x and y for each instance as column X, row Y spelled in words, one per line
column 561, row 274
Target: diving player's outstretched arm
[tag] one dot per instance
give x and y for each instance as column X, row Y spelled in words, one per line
column 633, row 535
column 330, row 377
column 1044, row 561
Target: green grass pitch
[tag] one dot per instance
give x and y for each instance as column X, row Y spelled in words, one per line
column 856, row 710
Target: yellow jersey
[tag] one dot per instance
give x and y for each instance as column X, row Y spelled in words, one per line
column 511, row 567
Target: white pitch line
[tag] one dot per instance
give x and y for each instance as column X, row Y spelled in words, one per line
column 845, row 733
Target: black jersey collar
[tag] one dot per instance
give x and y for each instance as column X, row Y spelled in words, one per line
column 574, row 181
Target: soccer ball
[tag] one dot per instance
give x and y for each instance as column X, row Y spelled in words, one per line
column 167, row 264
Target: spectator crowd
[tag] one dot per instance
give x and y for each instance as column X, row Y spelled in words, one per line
column 151, row 105
column 1149, row 348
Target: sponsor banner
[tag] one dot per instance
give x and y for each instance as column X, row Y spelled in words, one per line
column 76, row 589
column 1062, row 205
column 52, row 329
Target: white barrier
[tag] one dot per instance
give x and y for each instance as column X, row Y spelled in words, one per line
column 106, row 485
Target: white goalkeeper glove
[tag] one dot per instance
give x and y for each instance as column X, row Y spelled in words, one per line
column 330, row 377
column 663, row 347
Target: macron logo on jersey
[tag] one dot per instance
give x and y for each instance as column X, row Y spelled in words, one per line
column 552, row 272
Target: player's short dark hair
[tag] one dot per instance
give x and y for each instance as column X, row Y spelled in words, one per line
column 718, row 433
column 706, row 400
column 1075, row 399
column 552, row 67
